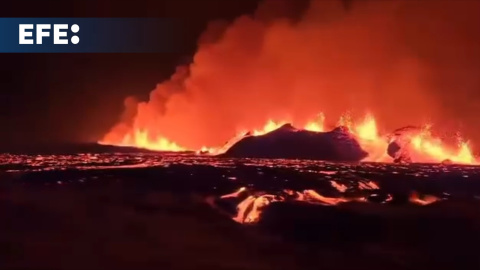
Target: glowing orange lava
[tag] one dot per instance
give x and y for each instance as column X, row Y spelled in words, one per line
column 141, row 139
column 424, row 146
column 432, row 149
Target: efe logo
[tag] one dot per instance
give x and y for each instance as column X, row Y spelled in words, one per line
column 43, row 30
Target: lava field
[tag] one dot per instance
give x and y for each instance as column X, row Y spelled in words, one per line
column 119, row 211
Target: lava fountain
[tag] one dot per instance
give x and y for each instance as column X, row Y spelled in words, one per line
column 424, row 146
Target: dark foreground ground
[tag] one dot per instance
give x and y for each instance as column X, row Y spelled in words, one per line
column 157, row 218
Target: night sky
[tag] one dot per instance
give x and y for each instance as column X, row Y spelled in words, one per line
column 49, row 98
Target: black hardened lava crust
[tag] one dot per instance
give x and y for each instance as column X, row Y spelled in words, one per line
column 92, row 213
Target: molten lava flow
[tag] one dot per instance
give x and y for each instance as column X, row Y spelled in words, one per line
column 340, row 187
column 316, row 125
column 427, row 199
column 367, row 130
column 429, row 148
column 423, row 146
column 142, row 139
column 269, row 126
column 250, row 209
column 346, row 121
column 234, row 194
column 369, row 138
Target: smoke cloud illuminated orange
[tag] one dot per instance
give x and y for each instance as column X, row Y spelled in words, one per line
column 382, row 57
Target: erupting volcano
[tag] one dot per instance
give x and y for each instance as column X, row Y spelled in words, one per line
column 310, row 134
column 405, row 144
column 277, row 68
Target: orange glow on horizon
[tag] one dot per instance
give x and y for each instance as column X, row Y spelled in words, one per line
column 424, row 146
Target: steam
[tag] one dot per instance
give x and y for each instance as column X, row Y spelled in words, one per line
column 406, row 62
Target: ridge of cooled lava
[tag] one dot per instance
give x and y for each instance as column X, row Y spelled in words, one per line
column 292, row 143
